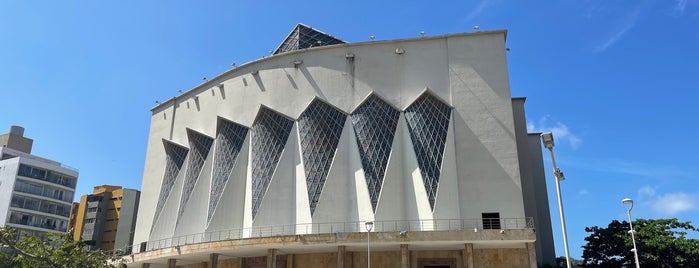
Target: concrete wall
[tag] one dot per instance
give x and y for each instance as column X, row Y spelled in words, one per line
column 8, row 175
column 127, row 218
column 536, row 203
column 17, row 142
column 466, row 71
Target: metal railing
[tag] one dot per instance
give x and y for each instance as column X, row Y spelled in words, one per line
column 329, row 228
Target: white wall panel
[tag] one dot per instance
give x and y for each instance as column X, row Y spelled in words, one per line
column 417, row 202
column 364, row 211
column 193, row 219
column 303, row 208
column 338, row 201
column 230, row 211
column 278, row 206
column 164, row 226
column 393, row 202
column 448, row 203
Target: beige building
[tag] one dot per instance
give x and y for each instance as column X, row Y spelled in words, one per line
column 106, row 219
column 287, row 161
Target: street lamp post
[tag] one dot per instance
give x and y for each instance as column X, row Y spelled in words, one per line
column 547, row 139
column 369, row 225
column 627, row 202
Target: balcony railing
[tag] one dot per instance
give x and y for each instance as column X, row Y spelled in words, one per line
column 334, row 227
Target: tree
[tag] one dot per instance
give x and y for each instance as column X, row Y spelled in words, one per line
column 660, row 243
column 56, row 251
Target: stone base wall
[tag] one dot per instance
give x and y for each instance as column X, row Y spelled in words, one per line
column 500, row 258
column 230, row 263
column 387, row 259
column 315, row 260
column 483, row 258
column 442, row 257
column 196, row 265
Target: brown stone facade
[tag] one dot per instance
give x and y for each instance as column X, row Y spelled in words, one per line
column 483, row 258
column 435, row 249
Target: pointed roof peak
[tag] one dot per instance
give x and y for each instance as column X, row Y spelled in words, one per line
column 304, row 36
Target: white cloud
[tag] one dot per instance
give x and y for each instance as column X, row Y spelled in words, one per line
column 479, row 9
column 620, row 166
column 626, row 24
column 583, row 192
column 560, row 131
column 646, row 191
column 668, row 204
column 673, row 203
column 680, row 6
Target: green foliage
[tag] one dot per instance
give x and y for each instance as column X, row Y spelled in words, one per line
column 660, row 243
column 57, row 251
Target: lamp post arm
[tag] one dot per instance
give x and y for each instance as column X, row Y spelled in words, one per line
column 557, row 173
column 633, row 240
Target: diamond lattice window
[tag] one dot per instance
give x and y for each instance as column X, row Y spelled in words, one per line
column 174, row 158
column 374, row 125
column 269, row 134
column 320, row 127
column 428, row 122
column 229, row 142
column 200, row 145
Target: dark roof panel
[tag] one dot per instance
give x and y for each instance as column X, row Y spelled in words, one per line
column 305, row 37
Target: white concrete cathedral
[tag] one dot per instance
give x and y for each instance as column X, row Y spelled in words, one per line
column 284, row 161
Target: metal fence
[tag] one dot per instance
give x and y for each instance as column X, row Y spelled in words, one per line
column 329, row 228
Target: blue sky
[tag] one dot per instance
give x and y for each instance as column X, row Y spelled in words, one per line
column 616, row 81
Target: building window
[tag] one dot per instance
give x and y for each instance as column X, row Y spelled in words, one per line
column 428, row 122
column 174, row 159
column 374, row 123
column 229, row 142
column 199, row 145
column 320, row 127
column 270, row 132
column 491, row 220
column 46, row 175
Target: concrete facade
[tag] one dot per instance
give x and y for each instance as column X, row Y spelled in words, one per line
column 415, row 135
column 35, row 193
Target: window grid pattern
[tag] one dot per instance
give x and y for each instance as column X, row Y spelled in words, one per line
column 199, row 145
column 428, row 122
column 305, row 37
column 229, row 142
column 174, row 158
column 269, row 134
column 374, row 125
column 320, row 127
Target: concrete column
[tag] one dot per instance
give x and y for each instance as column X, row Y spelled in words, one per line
column 467, row 255
column 272, row 258
column 213, row 260
column 145, row 265
column 531, row 250
column 341, row 250
column 404, row 256
column 172, row 263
